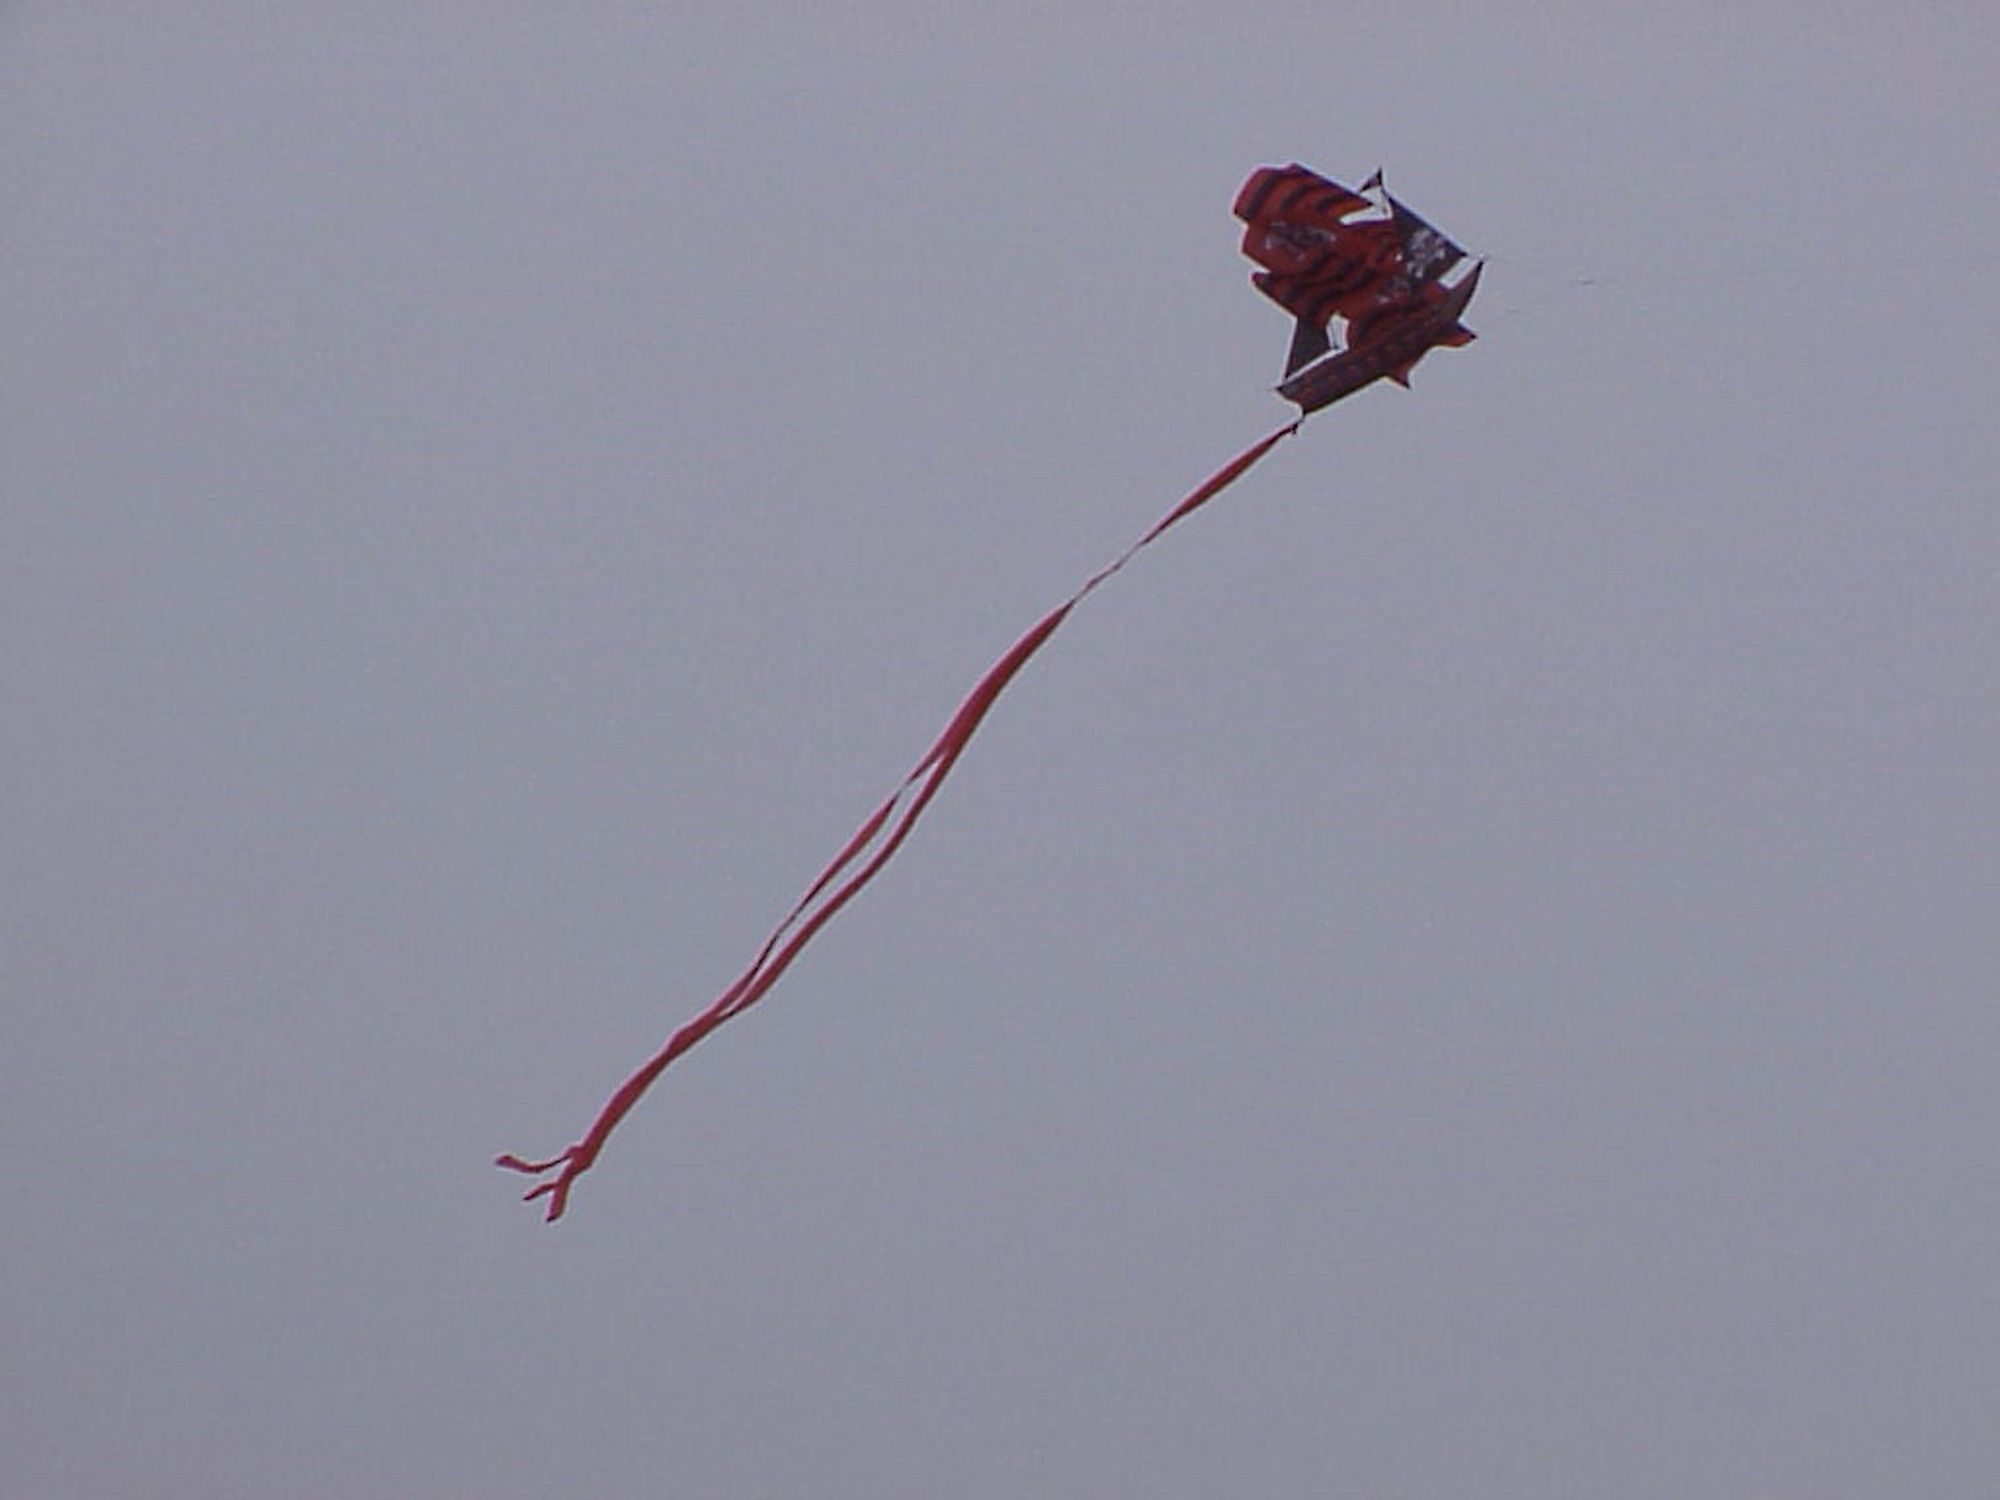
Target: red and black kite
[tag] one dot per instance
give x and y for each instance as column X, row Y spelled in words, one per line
column 1363, row 259
column 1330, row 255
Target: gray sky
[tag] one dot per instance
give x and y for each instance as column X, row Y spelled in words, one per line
column 1468, row 970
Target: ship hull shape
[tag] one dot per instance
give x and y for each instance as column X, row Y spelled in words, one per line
column 1395, row 343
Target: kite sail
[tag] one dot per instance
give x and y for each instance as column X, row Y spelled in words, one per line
column 1329, row 254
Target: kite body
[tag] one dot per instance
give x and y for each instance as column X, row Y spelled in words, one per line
column 1361, row 259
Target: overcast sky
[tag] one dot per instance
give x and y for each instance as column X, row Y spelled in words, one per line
column 1469, row 970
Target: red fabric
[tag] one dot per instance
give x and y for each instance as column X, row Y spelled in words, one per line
column 1319, row 263
column 858, row 862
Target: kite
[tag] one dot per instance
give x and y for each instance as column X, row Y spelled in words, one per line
column 1330, row 255
column 1363, row 257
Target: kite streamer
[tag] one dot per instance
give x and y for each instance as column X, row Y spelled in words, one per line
column 880, row 835
column 1329, row 253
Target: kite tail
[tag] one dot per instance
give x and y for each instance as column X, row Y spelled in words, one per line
column 874, row 843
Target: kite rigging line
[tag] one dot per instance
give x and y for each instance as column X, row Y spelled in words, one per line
column 858, row 862
column 1330, row 254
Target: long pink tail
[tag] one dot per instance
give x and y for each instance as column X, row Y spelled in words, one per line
column 871, row 847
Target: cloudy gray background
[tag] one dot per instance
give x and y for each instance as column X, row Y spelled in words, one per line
column 1468, row 971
